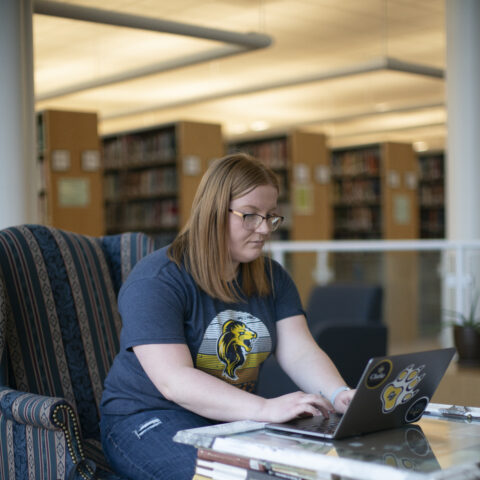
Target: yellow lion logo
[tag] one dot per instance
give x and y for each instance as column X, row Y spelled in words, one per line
column 234, row 341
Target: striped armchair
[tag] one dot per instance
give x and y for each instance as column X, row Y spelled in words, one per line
column 59, row 333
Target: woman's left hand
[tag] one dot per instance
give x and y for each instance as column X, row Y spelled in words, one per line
column 343, row 400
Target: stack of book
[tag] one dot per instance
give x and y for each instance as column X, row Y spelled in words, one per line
column 215, row 465
column 212, row 464
column 244, row 457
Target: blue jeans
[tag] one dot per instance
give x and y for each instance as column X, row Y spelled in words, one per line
column 140, row 446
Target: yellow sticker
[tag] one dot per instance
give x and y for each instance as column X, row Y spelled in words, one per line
column 378, row 374
column 402, row 389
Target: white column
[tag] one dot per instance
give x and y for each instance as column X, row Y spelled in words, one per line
column 17, row 117
column 463, row 110
column 463, row 143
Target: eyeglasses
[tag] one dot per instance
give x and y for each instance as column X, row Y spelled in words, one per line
column 251, row 221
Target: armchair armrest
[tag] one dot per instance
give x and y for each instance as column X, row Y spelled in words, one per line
column 41, row 426
column 31, row 409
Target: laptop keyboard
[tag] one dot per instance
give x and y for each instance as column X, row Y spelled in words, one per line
column 327, row 426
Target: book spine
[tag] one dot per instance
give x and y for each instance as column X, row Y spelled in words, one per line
column 220, row 463
column 236, row 460
column 199, row 476
column 220, row 471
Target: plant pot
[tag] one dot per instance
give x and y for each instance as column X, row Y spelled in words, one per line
column 467, row 342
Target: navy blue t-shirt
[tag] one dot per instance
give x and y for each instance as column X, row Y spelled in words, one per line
column 161, row 303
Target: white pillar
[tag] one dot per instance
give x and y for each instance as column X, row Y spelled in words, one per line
column 463, row 110
column 463, row 144
column 17, row 115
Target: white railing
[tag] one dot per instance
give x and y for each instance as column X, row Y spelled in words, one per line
column 459, row 279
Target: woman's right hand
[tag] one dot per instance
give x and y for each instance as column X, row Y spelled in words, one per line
column 297, row 404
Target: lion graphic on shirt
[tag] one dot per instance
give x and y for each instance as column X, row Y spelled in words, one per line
column 236, row 339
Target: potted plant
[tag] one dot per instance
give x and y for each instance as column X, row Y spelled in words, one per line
column 466, row 333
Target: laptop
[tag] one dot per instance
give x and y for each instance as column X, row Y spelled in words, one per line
column 392, row 391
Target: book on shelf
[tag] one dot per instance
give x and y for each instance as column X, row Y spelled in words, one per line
column 432, row 167
column 272, row 151
column 353, row 191
column 432, row 195
column 142, row 148
column 356, row 162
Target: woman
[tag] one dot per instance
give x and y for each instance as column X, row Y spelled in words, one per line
column 199, row 317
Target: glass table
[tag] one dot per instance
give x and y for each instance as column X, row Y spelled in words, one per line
column 444, row 444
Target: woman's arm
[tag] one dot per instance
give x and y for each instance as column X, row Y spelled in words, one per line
column 307, row 364
column 170, row 368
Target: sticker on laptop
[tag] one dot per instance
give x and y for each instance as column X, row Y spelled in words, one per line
column 379, row 373
column 415, row 411
column 402, row 389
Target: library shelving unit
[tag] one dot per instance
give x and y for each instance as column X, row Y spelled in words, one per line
column 375, row 190
column 70, row 190
column 357, row 201
column 151, row 175
column 431, row 194
column 375, row 197
column 301, row 161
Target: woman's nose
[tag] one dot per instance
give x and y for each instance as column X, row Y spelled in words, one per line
column 263, row 227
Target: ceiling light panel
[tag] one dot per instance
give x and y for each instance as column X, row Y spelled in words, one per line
column 310, row 37
column 91, row 50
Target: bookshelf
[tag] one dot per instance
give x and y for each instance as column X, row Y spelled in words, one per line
column 357, row 193
column 70, row 185
column 374, row 192
column 431, row 195
column 151, row 175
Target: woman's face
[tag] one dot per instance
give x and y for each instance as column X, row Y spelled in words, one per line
column 246, row 245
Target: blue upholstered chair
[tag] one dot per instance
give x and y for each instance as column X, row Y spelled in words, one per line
column 355, row 303
column 59, row 333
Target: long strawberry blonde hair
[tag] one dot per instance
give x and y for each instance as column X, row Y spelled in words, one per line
column 202, row 244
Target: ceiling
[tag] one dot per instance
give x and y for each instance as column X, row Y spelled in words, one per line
column 316, row 75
